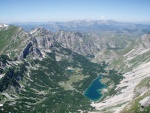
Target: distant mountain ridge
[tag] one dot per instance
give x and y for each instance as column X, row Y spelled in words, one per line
column 90, row 26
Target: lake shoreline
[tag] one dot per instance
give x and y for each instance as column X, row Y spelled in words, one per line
column 93, row 91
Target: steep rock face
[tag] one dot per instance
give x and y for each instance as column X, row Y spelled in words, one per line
column 87, row 45
column 40, row 40
column 77, row 42
column 44, row 38
column 31, row 49
column 74, row 41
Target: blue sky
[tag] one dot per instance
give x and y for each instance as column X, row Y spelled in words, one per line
column 64, row 10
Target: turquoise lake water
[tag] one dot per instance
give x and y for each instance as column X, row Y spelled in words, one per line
column 93, row 91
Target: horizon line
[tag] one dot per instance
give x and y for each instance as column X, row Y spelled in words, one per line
column 123, row 21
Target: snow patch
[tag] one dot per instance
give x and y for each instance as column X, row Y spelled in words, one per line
column 3, row 25
column 1, row 75
column 1, row 105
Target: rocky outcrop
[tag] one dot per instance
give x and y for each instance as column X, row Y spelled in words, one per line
column 31, row 49
column 44, row 38
column 145, row 102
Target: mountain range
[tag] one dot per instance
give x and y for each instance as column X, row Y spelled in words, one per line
column 48, row 68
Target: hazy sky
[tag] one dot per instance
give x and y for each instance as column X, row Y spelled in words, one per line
column 64, row 10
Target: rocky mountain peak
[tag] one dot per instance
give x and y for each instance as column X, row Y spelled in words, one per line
column 39, row 31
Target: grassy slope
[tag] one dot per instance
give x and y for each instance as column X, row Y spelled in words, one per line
column 12, row 41
column 6, row 35
column 121, row 63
